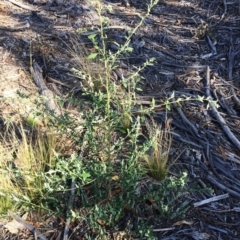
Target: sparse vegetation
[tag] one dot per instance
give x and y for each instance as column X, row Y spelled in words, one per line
column 106, row 164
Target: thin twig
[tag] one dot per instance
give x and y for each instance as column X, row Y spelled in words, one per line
column 184, row 118
column 231, row 56
column 106, row 29
column 212, row 199
column 59, row 82
column 235, row 98
column 163, row 229
column 214, row 50
column 225, row 10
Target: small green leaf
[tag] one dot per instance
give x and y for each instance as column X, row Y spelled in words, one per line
column 92, row 56
column 152, row 59
column 199, row 98
column 168, row 106
column 114, row 67
column 125, row 84
column 129, row 49
column 153, row 102
column 117, row 44
column 85, row 175
column 26, row 198
column 16, row 199
column 142, row 119
column 73, row 214
column 92, row 36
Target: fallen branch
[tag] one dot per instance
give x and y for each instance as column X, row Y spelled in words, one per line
column 184, row 118
column 59, row 82
column 31, row 228
column 17, row 27
column 36, row 72
column 235, row 98
column 212, row 199
column 21, row 5
column 70, row 203
column 163, row 229
column 231, row 56
column 216, row 114
column 222, row 187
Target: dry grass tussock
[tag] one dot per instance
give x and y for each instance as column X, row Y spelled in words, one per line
column 91, row 71
column 24, row 155
column 157, row 159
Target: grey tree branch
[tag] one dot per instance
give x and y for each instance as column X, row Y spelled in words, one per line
column 31, row 228
column 70, row 203
column 21, row 5
column 216, row 114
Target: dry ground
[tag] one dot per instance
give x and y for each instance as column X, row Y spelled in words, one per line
column 185, row 37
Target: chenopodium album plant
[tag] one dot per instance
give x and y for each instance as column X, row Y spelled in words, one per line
column 109, row 60
column 167, row 198
column 110, row 160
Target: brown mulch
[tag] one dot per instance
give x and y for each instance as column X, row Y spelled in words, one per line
column 196, row 45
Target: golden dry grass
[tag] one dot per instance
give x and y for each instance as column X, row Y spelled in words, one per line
column 156, row 161
column 24, row 155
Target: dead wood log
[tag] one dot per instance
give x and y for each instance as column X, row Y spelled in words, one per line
column 36, row 72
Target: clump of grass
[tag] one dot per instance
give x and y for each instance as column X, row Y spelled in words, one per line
column 158, row 157
column 7, row 186
column 90, row 71
column 24, row 158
